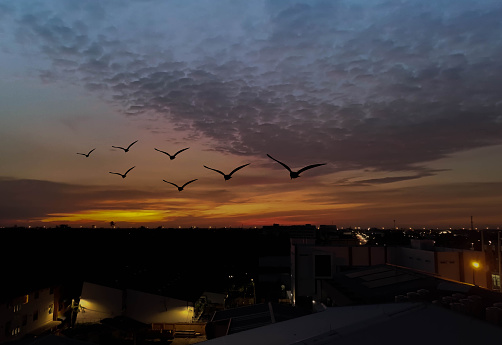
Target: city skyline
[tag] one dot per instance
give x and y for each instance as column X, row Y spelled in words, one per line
column 400, row 102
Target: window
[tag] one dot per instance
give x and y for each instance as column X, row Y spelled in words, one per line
column 35, row 315
column 51, row 308
column 25, row 319
column 496, row 280
column 322, row 265
column 36, row 294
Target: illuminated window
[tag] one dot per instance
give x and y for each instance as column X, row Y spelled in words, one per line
column 496, row 280
column 51, row 307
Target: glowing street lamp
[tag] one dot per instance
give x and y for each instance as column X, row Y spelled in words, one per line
column 475, row 266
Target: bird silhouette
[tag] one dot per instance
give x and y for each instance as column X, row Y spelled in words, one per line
column 295, row 174
column 179, row 188
column 85, row 154
column 172, row 156
column 225, row 176
column 123, row 175
column 125, row 149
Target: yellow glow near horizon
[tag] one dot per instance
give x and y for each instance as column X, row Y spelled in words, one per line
column 249, row 209
column 108, row 215
column 170, row 209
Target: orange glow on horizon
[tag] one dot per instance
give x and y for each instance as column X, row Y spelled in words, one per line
column 134, row 216
column 254, row 210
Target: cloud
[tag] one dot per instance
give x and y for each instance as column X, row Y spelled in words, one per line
column 350, row 83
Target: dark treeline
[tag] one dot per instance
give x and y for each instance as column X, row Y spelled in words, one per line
column 176, row 262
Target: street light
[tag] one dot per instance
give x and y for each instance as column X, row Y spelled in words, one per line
column 475, row 266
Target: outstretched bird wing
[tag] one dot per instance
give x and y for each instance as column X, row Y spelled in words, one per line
column 129, row 170
column 115, row 173
column 218, row 171
column 83, row 154
column 181, row 151
column 310, row 167
column 128, row 147
column 119, row 147
column 188, row 183
column 281, row 163
column 242, row 166
column 164, row 152
column 174, row 184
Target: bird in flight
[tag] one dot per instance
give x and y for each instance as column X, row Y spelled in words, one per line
column 123, row 175
column 173, row 156
column 125, row 149
column 225, row 176
column 85, row 154
column 179, row 188
column 295, row 174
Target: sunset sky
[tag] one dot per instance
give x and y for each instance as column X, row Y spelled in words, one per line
column 401, row 99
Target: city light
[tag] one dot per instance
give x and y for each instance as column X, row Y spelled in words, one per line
column 475, row 266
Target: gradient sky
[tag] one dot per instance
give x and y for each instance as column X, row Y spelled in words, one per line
column 401, row 99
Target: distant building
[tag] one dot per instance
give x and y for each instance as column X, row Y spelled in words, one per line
column 31, row 313
column 314, row 263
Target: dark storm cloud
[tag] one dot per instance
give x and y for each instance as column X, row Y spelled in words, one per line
column 24, row 198
column 389, row 179
column 379, row 85
column 38, row 199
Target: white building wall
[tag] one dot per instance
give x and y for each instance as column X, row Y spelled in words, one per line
column 418, row 259
column 378, row 255
column 101, row 302
column 149, row 308
column 361, row 256
column 448, row 265
column 26, row 314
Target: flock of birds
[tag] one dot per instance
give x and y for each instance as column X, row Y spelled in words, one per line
column 292, row 174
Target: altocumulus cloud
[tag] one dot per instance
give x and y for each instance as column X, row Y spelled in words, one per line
column 382, row 85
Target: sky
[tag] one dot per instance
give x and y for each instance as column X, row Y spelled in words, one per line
column 400, row 100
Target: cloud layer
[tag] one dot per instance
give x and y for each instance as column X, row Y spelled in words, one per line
column 380, row 85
